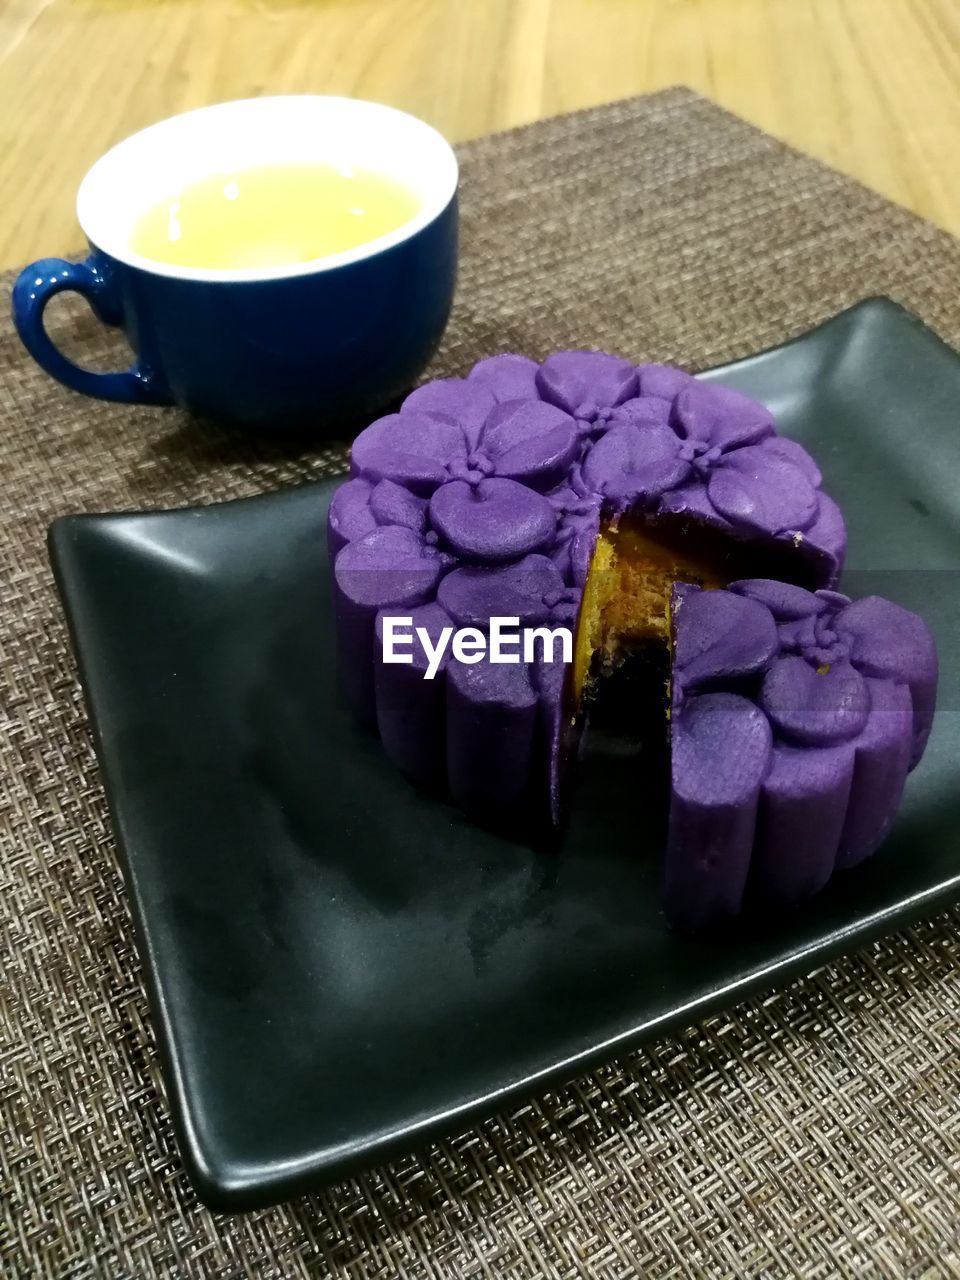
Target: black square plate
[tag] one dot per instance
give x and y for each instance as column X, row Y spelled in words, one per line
column 341, row 967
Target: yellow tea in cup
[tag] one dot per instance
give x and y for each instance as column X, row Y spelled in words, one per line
column 272, row 215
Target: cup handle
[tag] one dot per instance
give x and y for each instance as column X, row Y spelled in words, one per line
column 34, row 288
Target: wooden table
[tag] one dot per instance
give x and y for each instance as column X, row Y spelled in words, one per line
column 871, row 86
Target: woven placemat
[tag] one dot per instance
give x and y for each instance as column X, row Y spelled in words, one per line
column 813, row 1132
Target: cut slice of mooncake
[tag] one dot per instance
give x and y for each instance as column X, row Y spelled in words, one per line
column 570, row 494
column 795, row 717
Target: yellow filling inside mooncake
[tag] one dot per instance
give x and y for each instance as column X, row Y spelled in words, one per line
column 626, row 598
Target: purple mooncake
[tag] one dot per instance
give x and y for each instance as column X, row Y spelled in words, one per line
column 569, row 494
column 795, row 718
column 512, row 491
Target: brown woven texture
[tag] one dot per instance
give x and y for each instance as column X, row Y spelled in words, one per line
column 813, row 1132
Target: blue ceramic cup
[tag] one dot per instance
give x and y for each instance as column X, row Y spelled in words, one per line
column 313, row 344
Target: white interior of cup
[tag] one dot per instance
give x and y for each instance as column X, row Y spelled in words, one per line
column 345, row 132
